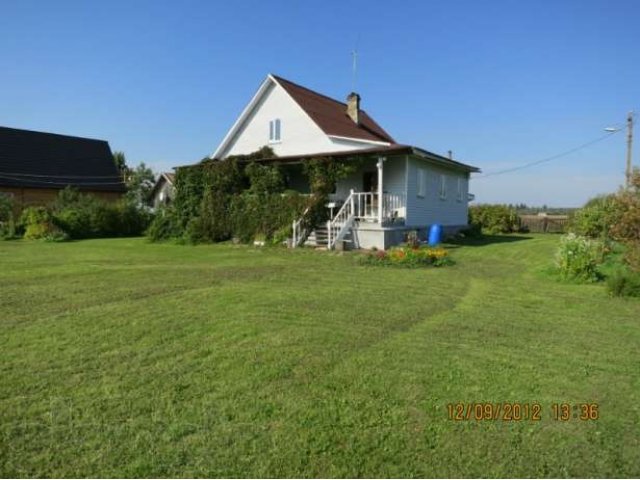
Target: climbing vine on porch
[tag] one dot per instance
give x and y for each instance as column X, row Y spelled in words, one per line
column 323, row 173
column 240, row 198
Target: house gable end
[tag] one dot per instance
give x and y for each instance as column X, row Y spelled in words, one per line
column 293, row 120
column 298, row 133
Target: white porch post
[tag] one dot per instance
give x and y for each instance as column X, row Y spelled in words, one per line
column 380, row 189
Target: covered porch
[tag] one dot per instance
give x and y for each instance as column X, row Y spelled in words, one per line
column 364, row 204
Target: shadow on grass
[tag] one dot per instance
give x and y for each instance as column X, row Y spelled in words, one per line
column 485, row 240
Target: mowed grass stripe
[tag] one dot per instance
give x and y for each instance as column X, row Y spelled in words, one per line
column 166, row 360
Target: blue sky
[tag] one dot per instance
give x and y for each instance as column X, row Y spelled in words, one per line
column 501, row 83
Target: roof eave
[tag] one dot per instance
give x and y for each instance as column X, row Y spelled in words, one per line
column 360, row 140
column 444, row 160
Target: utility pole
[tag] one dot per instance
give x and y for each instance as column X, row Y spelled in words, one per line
column 629, row 144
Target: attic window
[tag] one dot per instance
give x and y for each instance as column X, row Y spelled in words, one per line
column 274, row 131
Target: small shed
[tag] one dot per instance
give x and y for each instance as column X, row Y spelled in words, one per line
column 163, row 191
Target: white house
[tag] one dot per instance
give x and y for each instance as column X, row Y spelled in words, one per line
column 163, row 190
column 395, row 189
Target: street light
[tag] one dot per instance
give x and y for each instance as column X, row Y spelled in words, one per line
column 629, row 144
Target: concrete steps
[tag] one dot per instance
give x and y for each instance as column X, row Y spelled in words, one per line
column 319, row 238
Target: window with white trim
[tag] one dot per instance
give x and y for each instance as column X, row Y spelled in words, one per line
column 443, row 187
column 460, row 189
column 422, row 183
column 275, row 131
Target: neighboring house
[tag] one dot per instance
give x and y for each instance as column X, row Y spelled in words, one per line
column 35, row 166
column 396, row 188
column 163, row 191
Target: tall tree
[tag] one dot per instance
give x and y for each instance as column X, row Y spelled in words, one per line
column 140, row 181
column 121, row 163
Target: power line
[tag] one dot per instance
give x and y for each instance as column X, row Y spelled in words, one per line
column 548, row 159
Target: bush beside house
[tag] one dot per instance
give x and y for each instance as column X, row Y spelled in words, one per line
column 605, row 241
column 493, row 219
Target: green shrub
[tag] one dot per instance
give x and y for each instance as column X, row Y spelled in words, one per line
column 164, row 225
column 85, row 216
column 130, row 220
column 6, row 207
column 281, row 235
column 624, row 283
column 39, row 225
column 76, row 222
column 7, row 222
column 493, row 219
column 578, row 258
column 596, row 218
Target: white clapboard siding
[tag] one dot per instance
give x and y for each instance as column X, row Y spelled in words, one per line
column 432, row 209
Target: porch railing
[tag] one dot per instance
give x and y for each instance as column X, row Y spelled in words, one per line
column 361, row 206
column 366, row 205
column 341, row 223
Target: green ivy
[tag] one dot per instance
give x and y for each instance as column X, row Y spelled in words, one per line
column 323, row 173
column 238, row 197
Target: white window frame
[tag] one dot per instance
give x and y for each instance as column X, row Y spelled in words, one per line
column 421, row 189
column 275, row 131
column 460, row 189
column 443, row 186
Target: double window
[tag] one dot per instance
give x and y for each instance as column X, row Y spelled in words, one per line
column 275, row 131
column 422, row 185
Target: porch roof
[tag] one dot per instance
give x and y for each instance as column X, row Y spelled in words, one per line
column 395, row 149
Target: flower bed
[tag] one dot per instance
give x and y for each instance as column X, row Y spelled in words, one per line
column 411, row 257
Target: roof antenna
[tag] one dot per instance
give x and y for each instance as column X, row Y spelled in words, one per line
column 354, row 55
column 354, row 58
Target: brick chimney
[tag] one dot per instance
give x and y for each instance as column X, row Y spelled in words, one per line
column 353, row 107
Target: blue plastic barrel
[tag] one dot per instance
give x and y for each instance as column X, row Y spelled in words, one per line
column 435, row 234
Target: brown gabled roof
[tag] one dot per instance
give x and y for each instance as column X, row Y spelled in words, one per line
column 331, row 115
column 48, row 160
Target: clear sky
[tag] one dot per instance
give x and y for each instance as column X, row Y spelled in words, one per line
column 501, row 83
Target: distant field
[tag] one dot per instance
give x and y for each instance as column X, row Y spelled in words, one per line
column 121, row 358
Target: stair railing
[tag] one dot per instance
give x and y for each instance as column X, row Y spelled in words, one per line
column 339, row 225
column 300, row 233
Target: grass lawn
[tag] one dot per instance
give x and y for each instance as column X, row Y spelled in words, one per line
column 123, row 358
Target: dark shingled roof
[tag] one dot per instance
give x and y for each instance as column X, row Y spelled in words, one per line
column 46, row 160
column 331, row 115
